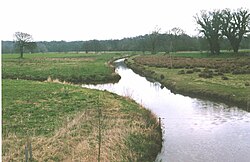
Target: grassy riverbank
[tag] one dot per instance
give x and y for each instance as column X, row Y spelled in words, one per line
column 224, row 78
column 66, row 122
column 63, row 123
column 74, row 68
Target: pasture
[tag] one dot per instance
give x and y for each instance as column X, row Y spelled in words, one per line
column 74, row 68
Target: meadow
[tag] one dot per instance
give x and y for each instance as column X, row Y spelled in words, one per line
column 223, row 78
column 74, row 68
column 64, row 122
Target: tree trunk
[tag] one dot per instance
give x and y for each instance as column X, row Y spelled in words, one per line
column 217, row 48
column 236, row 50
column 21, row 51
column 211, row 45
column 153, row 49
column 236, row 47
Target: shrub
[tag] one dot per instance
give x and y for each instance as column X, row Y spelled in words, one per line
column 162, row 77
column 206, row 75
column 237, row 71
column 224, row 78
column 181, row 72
column 189, row 72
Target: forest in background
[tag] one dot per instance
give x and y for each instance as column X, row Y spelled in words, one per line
column 163, row 43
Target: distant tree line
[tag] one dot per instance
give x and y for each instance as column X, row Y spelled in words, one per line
column 221, row 30
column 167, row 42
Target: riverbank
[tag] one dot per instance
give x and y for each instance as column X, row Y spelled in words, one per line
column 218, row 79
column 65, row 122
column 73, row 68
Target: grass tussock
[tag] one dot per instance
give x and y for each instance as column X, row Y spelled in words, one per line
column 68, row 123
column 236, row 65
column 217, row 78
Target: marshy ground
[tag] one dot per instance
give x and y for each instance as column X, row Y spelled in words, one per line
column 224, row 77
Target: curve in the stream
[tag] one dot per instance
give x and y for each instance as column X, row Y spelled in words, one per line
column 193, row 129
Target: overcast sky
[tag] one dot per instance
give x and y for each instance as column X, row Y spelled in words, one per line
column 71, row 20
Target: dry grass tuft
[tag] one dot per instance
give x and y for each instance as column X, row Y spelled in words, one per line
column 77, row 139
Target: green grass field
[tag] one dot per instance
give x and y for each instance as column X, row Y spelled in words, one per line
column 224, row 79
column 65, row 122
column 74, row 68
column 61, row 121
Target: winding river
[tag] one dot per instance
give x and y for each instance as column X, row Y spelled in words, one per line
column 194, row 130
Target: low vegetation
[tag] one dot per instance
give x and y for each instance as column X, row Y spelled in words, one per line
column 200, row 75
column 62, row 122
column 74, row 68
column 48, row 121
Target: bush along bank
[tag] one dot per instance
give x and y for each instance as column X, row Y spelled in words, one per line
column 196, row 82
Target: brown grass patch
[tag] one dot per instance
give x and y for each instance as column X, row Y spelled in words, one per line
column 77, row 139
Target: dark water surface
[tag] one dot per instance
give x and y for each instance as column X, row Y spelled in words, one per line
column 194, row 130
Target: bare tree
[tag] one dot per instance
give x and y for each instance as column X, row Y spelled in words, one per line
column 23, row 40
column 176, row 31
column 174, row 34
column 154, row 39
column 235, row 25
column 210, row 26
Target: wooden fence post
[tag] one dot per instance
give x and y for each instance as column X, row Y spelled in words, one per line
column 28, row 151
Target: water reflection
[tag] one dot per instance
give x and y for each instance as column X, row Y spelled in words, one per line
column 194, row 130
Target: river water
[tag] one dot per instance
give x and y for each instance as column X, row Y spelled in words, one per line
column 194, row 130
